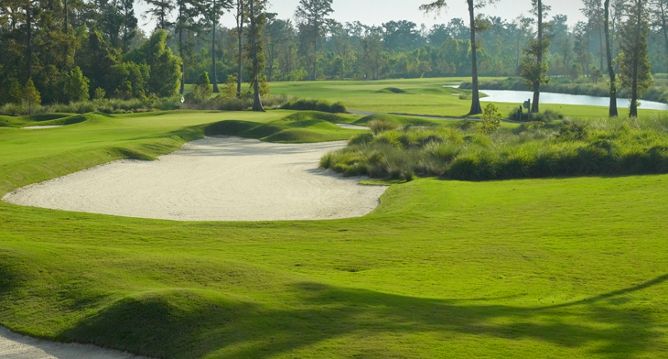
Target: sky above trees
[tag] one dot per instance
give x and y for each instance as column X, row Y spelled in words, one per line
column 376, row 12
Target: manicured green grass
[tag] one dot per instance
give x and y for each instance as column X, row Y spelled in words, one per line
column 299, row 127
column 529, row 269
column 416, row 96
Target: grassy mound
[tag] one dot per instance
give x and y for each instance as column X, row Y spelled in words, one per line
column 394, row 119
column 301, row 127
column 49, row 119
column 392, row 90
column 315, row 105
column 534, row 150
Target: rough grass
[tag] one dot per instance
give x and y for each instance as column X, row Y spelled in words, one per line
column 533, row 150
column 531, row 268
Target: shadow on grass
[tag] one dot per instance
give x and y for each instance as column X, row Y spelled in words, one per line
column 189, row 323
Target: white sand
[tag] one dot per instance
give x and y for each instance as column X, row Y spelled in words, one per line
column 212, row 179
column 14, row 346
column 352, row 127
column 41, row 127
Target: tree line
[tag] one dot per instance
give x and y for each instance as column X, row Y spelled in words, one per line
column 73, row 50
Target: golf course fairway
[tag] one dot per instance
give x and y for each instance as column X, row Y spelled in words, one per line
column 547, row 268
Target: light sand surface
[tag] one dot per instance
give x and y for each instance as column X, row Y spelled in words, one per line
column 351, row 127
column 222, row 178
column 14, row 346
column 41, row 127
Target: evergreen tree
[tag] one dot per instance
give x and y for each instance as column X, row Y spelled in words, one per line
column 313, row 17
column 160, row 10
column 76, row 86
column 214, row 10
column 202, row 89
column 31, row 96
column 188, row 11
column 534, row 66
column 257, row 19
column 612, row 110
column 240, row 18
column 634, row 62
column 438, row 5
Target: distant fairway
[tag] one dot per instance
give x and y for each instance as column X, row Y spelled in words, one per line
column 554, row 268
column 430, row 96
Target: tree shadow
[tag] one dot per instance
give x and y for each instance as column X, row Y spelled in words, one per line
column 188, row 323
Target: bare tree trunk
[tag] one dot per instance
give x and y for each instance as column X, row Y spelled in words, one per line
column 613, row 112
column 29, row 19
column 535, row 106
column 240, row 31
column 636, row 63
column 66, row 12
column 257, row 101
column 475, row 85
column 601, row 48
column 183, row 63
column 214, row 75
column 665, row 31
column 316, row 34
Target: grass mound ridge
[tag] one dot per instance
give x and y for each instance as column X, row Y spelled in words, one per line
column 394, row 119
column 392, row 90
column 306, row 127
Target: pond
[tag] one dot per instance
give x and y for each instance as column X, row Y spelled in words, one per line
column 519, row 97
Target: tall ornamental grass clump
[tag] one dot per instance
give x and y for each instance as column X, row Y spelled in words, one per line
column 532, row 150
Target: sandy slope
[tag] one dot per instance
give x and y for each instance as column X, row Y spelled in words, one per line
column 14, row 346
column 212, row 179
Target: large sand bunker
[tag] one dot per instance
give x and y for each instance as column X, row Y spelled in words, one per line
column 14, row 346
column 222, row 178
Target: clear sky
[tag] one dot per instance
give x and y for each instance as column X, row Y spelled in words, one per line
column 375, row 12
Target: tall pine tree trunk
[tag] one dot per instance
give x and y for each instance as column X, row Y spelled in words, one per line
column 636, row 63
column 535, row 106
column 29, row 20
column 254, row 34
column 314, row 63
column 214, row 75
column 240, row 57
column 475, row 86
column 612, row 112
column 601, row 48
column 665, row 32
column 183, row 63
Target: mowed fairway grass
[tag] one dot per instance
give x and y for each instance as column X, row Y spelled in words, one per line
column 431, row 96
column 548, row 268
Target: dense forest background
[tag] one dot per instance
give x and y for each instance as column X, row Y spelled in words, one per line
column 73, row 50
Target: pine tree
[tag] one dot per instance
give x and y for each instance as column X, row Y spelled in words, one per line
column 312, row 17
column 534, row 66
column 439, row 5
column 258, row 20
column 76, row 86
column 160, row 10
column 31, row 96
column 634, row 63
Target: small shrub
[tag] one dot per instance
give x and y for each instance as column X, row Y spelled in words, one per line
column 202, row 90
column 572, row 131
column 491, row 119
column 315, row 105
